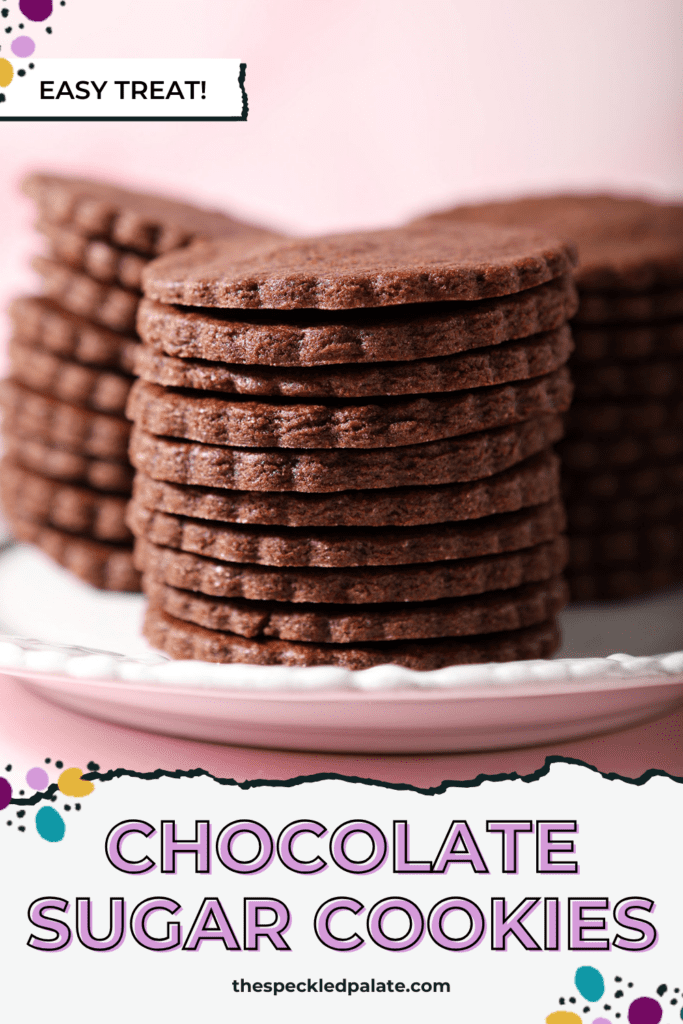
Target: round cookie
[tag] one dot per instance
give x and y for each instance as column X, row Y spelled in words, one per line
column 623, row 583
column 650, row 379
column 37, row 417
column 387, row 422
column 591, row 515
column 652, row 544
column 618, row 308
column 102, row 565
column 625, row 244
column 41, row 323
column 597, row 419
column 510, row 361
column 350, row 547
column 184, row 640
column 148, row 224
column 534, row 480
column 94, row 388
column 94, row 256
column 630, row 482
column 485, row 613
column 43, row 501
column 455, row 460
column 105, row 304
column 58, row 464
column 583, row 455
column 316, row 338
column 625, row 343
column 374, row 268
column 357, row 585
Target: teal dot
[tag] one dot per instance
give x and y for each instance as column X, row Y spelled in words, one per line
column 590, row 983
column 50, row 825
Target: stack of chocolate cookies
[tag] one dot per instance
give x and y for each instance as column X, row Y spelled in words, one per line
column 623, row 454
column 344, row 451
column 65, row 479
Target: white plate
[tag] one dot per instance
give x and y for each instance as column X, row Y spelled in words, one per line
column 387, row 709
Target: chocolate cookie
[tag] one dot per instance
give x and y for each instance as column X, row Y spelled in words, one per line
column 357, row 585
column 384, row 423
column 591, row 516
column 623, row 343
column 148, row 224
column 95, row 257
column 102, row 565
column 94, row 388
column 531, row 481
column 619, row 584
column 455, row 460
column 315, row 338
column 653, row 544
column 43, row 501
column 598, row 419
column 487, row 613
column 184, row 640
column 511, row 361
column 105, row 304
column 350, row 546
column 374, row 268
column 58, row 464
column 649, row 379
column 583, row 455
column 620, row 308
column 625, row 244
column 37, row 417
column 630, row 482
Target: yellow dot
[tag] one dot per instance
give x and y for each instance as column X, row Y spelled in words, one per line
column 563, row 1017
column 6, row 72
column 71, row 784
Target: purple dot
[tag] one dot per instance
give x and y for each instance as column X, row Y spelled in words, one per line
column 644, row 1011
column 37, row 778
column 23, row 46
column 36, row 10
column 5, row 793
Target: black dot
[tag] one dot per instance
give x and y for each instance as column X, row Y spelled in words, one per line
column 617, row 1015
column 586, row 1009
column 53, row 798
column 8, row 29
column 20, row 814
column 8, row 767
column 77, row 806
column 561, row 1000
column 673, row 1002
column 48, row 30
column 617, row 979
column 67, row 807
column 5, row 12
column 47, row 760
column 677, row 990
column 21, row 26
column 59, row 764
column 93, row 767
column 618, row 994
column 661, row 990
column 2, row 97
column 9, row 822
column 22, row 828
column 607, row 1006
column 31, row 66
column 21, row 73
column 21, row 792
column 571, row 999
column 630, row 984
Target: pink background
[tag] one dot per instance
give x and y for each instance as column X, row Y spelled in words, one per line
column 364, row 113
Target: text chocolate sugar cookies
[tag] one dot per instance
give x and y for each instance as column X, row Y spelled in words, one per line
column 343, row 448
column 66, row 478
column 623, row 454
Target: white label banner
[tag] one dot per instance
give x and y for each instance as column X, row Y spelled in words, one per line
column 154, row 89
column 334, row 899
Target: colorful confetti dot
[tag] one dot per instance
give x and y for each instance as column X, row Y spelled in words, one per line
column 590, row 983
column 36, row 10
column 601, row 1020
column 644, row 1011
column 71, row 784
column 5, row 793
column 23, row 46
column 37, row 778
column 563, row 1017
column 6, row 72
column 50, row 825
